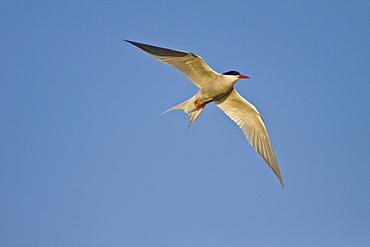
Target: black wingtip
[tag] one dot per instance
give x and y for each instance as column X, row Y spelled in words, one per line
column 131, row 42
column 138, row 44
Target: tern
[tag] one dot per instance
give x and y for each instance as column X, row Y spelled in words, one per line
column 218, row 88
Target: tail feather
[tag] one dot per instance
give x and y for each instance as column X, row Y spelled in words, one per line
column 181, row 106
column 189, row 108
column 194, row 115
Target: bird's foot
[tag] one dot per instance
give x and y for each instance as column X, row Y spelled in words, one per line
column 198, row 104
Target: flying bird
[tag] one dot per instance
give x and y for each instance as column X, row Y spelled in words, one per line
column 218, row 88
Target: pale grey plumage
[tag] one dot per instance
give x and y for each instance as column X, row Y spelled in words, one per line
column 246, row 116
column 218, row 88
column 191, row 65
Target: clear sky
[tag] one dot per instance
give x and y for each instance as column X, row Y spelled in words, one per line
column 87, row 160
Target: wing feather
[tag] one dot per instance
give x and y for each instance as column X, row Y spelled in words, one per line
column 190, row 64
column 246, row 116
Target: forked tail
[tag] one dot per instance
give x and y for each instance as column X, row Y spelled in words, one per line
column 189, row 108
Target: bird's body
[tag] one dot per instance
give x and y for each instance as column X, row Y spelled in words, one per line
column 218, row 88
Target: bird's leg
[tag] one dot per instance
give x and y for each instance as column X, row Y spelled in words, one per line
column 198, row 104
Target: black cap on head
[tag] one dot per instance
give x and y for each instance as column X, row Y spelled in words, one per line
column 232, row 72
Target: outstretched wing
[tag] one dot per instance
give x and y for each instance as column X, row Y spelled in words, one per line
column 191, row 65
column 250, row 121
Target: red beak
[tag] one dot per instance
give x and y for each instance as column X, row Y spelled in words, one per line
column 243, row 77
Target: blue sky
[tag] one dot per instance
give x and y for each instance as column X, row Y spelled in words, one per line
column 87, row 160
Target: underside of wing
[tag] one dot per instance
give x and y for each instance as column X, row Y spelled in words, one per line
column 246, row 116
column 191, row 65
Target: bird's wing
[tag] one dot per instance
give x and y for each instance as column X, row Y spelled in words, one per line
column 250, row 121
column 191, row 65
